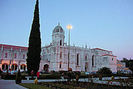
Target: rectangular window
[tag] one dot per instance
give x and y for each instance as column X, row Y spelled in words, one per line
column 23, row 56
column 15, row 55
column 60, row 64
column 112, row 59
column 5, row 55
column 93, row 60
column 77, row 59
column 60, row 42
column 60, row 55
column 85, row 58
column 105, row 58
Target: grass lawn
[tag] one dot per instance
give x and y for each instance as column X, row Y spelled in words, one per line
column 122, row 80
column 71, row 85
column 81, row 85
column 33, row 86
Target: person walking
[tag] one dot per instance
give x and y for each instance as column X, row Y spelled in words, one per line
column 38, row 73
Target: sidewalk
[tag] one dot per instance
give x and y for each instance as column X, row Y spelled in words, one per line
column 10, row 84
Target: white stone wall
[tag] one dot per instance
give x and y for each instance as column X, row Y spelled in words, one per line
column 55, row 59
column 104, row 58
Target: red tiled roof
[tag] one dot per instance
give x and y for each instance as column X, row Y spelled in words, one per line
column 108, row 55
column 13, row 47
column 101, row 49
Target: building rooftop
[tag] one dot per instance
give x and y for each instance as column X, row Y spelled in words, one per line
column 5, row 46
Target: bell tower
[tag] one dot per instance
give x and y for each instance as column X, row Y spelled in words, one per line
column 58, row 36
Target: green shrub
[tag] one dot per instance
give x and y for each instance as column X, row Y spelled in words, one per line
column 100, row 77
column 104, row 70
column 50, row 76
column 8, row 76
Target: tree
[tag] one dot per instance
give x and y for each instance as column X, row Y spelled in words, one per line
column 131, row 65
column 104, row 70
column 126, row 61
column 34, row 49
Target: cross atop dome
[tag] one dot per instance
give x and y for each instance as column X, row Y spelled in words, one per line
column 58, row 23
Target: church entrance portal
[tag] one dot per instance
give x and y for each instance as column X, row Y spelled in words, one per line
column 46, row 67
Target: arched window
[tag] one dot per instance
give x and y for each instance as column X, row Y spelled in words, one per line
column 14, row 67
column 23, row 67
column 85, row 58
column 57, row 30
column 93, row 60
column 77, row 59
column 4, row 66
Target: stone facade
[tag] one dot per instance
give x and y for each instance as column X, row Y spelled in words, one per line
column 80, row 58
column 54, row 57
column 12, row 57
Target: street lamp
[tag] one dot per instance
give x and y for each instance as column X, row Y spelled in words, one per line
column 69, row 27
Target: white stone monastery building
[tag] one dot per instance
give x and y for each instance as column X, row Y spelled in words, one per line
column 58, row 56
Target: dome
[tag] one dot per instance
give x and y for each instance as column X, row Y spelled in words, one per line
column 58, row 29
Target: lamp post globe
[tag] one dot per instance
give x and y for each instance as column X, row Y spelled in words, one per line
column 69, row 26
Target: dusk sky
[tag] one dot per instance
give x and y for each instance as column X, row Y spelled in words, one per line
column 106, row 24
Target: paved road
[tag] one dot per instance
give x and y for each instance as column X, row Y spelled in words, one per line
column 10, row 84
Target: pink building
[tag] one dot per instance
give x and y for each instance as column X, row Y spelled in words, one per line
column 13, row 57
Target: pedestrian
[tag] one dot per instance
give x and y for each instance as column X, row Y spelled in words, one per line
column 18, row 77
column 38, row 73
column 32, row 73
